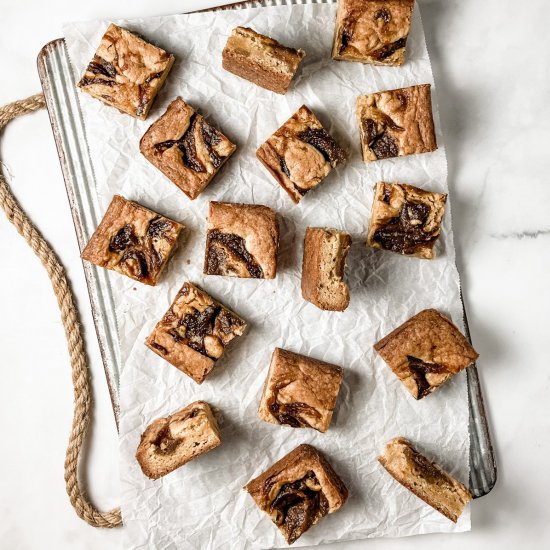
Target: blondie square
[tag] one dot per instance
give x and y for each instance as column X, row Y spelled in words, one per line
column 168, row 443
column 299, row 391
column 426, row 479
column 325, row 252
column 406, row 219
column 242, row 241
column 194, row 332
column 260, row 59
column 396, row 123
column 133, row 240
column 300, row 154
column 372, row 31
column 298, row 491
column 186, row 148
column 126, row 72
column 425, row 351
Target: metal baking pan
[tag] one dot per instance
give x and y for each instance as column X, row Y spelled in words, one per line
column 57, row 79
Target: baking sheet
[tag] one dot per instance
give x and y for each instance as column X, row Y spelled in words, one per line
column 202, row 505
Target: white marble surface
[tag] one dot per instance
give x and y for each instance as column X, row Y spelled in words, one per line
column 493, row 81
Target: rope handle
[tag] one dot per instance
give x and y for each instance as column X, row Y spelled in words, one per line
column 70, row 318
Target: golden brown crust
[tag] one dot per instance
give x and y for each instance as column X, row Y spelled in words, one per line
column 396, row 123
column 242, row 241
column 425, row 351
column 194, row 332
column 185, row 148
column 425, row 478
column 126, row 72
column 168, row 443
column 372, row 31
column 300, row 154
column 406, row 219
column 323, row 485
column 133, row 240
column 325, row 252
column 300, row 391
column 260, row 59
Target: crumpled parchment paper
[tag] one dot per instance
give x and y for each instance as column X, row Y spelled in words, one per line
column 202, row 505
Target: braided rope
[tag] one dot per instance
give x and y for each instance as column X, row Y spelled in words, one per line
column 69, row 317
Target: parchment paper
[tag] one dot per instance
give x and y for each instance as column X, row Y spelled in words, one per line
column 202, row 505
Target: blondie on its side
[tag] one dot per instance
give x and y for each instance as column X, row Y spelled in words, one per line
column 133, row 241
column 425, row 351
column 300, row 391
column 325, row 252
column 168, row 443
column 126, row 72
column 194, row 332
column 372, row 31
column 425, row 478
column 406, row 219
column 300, row 154
column 261, row 59
column 186, row 148
column 396, row 123
column 298, row 491
column 242, row 241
